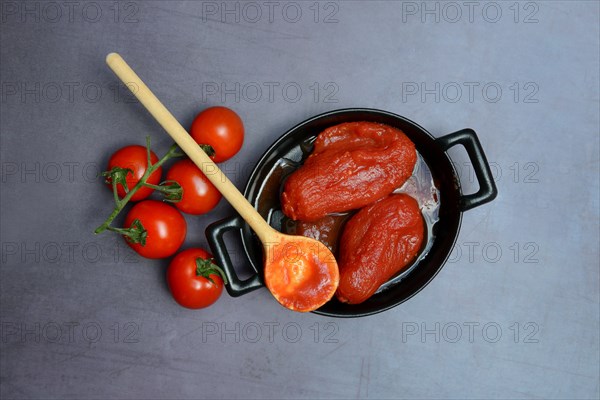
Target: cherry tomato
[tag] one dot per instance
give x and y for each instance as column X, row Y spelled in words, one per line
column 221, row 128
column 165, row 228
column 199, row 194
column 195, row 282
column 135, row 158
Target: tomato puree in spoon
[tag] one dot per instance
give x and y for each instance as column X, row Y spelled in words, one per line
column 301, row 274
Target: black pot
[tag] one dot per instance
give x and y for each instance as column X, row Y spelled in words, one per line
column 264, row 195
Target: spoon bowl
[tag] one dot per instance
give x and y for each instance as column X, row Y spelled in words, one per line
column 300, row 272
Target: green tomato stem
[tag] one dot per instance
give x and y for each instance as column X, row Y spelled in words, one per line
column 206, row 268
column 172, row 190
column 115, row 191
column 134, row 234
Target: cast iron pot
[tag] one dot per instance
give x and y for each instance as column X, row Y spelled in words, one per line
column 263, row 191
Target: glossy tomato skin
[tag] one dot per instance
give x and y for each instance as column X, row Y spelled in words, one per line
column 166, row 228
column 199, row 194
column 134, row 157
column 221, row 128
column 188, row 289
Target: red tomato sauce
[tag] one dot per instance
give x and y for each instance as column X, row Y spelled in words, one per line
column 327, row 230
column 300, row 275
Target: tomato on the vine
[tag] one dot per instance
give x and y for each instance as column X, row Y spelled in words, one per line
column 199, row 194
column 221, row 128
column 135, row 158
column 195, row 282
column 164, row 229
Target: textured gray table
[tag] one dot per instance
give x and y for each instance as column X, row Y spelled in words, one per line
column 514, row 314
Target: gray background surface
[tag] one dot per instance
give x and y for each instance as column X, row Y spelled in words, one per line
column 514, row 314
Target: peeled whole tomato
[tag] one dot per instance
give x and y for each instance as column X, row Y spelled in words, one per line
column 353, row 164
column 378, row 242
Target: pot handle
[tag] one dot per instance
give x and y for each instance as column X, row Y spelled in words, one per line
column 487, row 187
column 214, row 233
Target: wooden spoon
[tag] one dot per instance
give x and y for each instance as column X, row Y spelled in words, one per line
column 300, row 272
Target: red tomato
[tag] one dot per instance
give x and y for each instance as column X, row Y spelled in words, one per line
column 135, row 158
column 193, row 280
column 199, row 194
column 221, row 128
column 165, row 226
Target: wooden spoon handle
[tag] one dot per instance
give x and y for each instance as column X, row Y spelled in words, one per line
column 189, row 146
